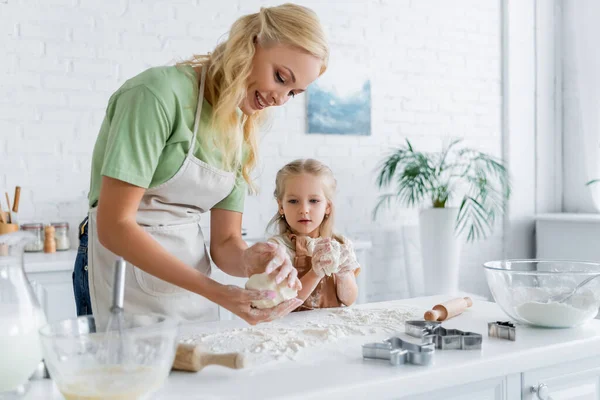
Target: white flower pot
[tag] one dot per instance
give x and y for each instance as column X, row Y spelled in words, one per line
column 440, row 250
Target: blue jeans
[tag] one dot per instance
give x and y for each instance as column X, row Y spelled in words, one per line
column 81, row 287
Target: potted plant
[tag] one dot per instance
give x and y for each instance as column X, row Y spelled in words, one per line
column 477, row 182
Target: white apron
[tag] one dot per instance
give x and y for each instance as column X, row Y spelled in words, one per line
column 170, row 213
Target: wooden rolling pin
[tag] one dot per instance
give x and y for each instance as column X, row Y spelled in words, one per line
column 449, row 309
column 192, row 358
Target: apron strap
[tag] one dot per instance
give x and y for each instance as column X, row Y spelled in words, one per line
column 198, row 112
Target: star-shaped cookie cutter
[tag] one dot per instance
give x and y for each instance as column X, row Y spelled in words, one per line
column 399, row 351
column 444, row 339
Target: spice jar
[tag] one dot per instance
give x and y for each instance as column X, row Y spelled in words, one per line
column 61, row 235
column 37, row 243
column 49, row 242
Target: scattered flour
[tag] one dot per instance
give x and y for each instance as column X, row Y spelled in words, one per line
column 277, row 340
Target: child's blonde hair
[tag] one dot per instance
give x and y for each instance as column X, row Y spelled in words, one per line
column 313, row 167
column 230, row 64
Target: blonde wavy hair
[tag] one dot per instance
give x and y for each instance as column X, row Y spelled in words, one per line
column 230, row 64
column 279, row 225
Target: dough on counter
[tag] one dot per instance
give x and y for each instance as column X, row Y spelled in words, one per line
column 334, row 254
column 265, row 282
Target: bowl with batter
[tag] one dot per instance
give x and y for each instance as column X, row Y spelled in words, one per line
column 78, row 355
column 545, row 293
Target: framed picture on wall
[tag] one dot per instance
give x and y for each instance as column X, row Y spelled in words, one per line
column 339, row 102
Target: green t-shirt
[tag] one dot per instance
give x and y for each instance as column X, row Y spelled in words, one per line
column 147, row 131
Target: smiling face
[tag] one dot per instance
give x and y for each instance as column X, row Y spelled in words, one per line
column 304, row 204
column 279, row 73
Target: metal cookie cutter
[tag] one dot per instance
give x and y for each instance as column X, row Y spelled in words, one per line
column 444, row 339
column 421, row 329
column 503, row 330
column 399, row 351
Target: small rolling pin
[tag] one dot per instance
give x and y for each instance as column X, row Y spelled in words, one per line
column 190, row 357
column 449, row 309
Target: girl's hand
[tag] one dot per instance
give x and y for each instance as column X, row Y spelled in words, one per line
column 348, row 262
column 268, row 257
column 239, row 301
column 320, row 258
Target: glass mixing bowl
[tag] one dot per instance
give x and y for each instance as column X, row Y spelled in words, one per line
column 80, row 360
column 526, row 290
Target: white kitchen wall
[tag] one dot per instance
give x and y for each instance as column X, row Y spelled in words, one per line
column 435, row 70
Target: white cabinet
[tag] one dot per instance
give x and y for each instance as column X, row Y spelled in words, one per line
column 578, row 380
column 568, row 236
column 54, row 291
column 502, row 388
column 50, row 276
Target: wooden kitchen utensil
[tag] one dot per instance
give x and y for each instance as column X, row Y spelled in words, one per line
column 449, row 309
column 190, row 357
column 15, row 207
column 16, row 199
column 8, row 228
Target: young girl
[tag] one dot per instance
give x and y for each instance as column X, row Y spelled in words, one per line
column 326, row 262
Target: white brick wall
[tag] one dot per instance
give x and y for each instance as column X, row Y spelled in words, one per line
column 435, row 73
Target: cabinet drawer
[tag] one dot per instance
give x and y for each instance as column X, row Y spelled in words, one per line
column 501, row 388
column 578, row 380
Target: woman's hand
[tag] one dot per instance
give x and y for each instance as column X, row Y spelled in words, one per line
column 268, row 257
column 239, row 301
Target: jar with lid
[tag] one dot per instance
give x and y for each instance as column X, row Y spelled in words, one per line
column 61, row 235
column 37, row 242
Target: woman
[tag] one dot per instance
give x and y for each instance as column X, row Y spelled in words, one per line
column 179, row 141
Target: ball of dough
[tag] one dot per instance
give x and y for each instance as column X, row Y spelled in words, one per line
column 265, row 282
column 333, row 255
column 310, row 245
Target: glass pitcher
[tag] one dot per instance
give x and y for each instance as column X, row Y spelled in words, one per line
column 20, row 318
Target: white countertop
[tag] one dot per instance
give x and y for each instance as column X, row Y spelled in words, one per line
column 338, row 370
column 50, row 262
column 569, row 217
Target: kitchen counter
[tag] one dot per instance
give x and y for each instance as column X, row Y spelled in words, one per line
column 60, row 261
column 500, row 370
